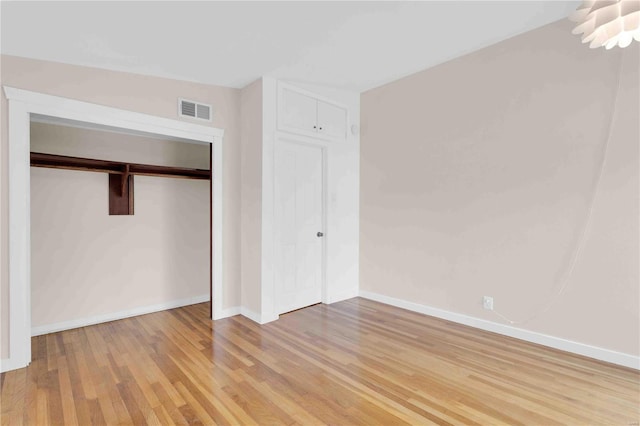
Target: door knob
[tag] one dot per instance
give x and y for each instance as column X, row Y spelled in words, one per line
column 320, row 234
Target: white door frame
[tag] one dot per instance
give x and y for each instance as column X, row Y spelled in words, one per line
column 23, row 103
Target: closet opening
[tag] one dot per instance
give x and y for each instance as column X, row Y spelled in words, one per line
column 120, row 224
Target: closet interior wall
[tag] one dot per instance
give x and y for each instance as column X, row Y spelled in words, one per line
column 87, row 264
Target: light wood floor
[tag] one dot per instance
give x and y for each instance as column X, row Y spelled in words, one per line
column 353, row 362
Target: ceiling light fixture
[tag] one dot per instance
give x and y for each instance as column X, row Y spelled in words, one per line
column 608, row 22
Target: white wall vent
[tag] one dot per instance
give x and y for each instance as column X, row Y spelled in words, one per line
column 191, row 109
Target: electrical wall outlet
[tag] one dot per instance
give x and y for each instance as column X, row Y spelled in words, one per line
column 487, row 303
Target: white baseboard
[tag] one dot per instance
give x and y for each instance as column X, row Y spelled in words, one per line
column 229, row 312
column 344, row 295
column 253, row 316
column 264, row 319
column 113, row 316
column 602, row 354
column 9, row 364
column 245, row 312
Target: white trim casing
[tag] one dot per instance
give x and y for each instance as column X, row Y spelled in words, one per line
column 19, row 237
column 595, row 352
column 267, row 288
column 71, row 109
column 24, row 103
column 114, row 316
column 217, row 195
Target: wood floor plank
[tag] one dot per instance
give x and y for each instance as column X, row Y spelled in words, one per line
column 352, row 362
column 66, row 393
column 168, row 406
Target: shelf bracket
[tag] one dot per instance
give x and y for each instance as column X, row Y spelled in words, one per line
column 120, row 194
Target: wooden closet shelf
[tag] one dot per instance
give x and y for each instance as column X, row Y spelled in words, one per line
column 115, row 167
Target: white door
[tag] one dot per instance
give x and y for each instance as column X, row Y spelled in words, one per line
column 298, row 226
column 299, row 112
column 332, row 120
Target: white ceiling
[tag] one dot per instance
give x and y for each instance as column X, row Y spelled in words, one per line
column 349, row 45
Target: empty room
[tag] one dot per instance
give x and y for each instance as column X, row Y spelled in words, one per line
column 308, row 212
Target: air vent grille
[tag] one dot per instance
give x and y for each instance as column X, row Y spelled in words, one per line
column 203, row 112
column 188, row 109
column 193, row 109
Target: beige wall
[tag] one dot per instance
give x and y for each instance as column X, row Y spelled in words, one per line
column 150, row 95
column 85, row 263
column 477, row 176
column 80, row 142
column 251, row 211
